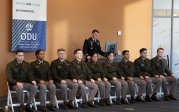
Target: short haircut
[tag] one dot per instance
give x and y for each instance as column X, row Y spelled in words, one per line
column 94, row 54
column 109, row 53
column 124, row 52
column 76, row 50
column 18, row 51
column 61, row 49
column 160, row 49
column 95, row 30
column 142, row 49
column 37, row 52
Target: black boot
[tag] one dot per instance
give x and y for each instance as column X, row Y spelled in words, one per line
column 154, row 97
column 124, row 101
column 172, row 97
column 91, row 104
column 132, row 99
column 65, row 105
column 139, row 99
column 52, row 107
column 22, row 108
column 43, row 109
column 107, row 101
column 148, row 98
column 29, row 108
column 166, row 98
column 118, row 101
column 71, row 105
column 84, row 105
column 102, row 103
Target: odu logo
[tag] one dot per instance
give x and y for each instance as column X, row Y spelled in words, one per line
column 29, row 35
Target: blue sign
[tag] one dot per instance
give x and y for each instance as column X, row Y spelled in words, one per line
column 29, row 25
column 28, row 35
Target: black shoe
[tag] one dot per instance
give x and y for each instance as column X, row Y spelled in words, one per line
column 91, row 104
column 148, row 98
column 52, row 107
column 132, row 100
column 108, row 103
column 43, row 109
column 166, row 98
column 29, row 108
column 22, row 108
column 139, row 99
column 118, row 101
column 84, row 105
column 172, row 97
column 102, row 103
column 124, row 101
column 155, row 98
column 71, row 105
column 65, row 106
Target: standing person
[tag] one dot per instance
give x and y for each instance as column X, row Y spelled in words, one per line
column 19, row 79
column 61, row 74
column 92, row 45
column 160, row 70
column 81, row 74
column 143, row 70
column 127, row 70
column 40, row 70
column 100, row 79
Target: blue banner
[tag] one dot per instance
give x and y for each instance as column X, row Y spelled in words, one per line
column 28, row 35
column 29, row 25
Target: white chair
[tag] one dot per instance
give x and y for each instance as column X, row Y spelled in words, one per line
column 61, row 101
column 10, row 102
column 114, row 96
column 80, row 99
column 38, row 102
column 128, row 96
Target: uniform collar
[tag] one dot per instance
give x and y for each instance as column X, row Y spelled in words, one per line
column 17, row 62
column 40, row 61
column 61, row 61
column 159, row 58
column 94, row 39
column 78, row 62
column 93, row 62
column 143, row 59
column 125, row 61
column 109, row 61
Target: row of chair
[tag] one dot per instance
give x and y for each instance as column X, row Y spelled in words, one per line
column 11, row 104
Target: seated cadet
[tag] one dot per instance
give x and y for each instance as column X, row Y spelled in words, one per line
column 143, row 71
column 160, row 70
column 40, row 70
column 112, row 72
column 61, row 73
column 100, row 79
column 82, row 74
column 127, row 70
column 19, row 79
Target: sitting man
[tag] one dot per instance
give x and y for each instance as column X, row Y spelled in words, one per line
column 40, row 70
column 61, row 74
column 81, row 74
column 100, row 79
column 160, row 70
column 19, row 79
column 143, row 71
column 127, row 70
column 112, row 72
